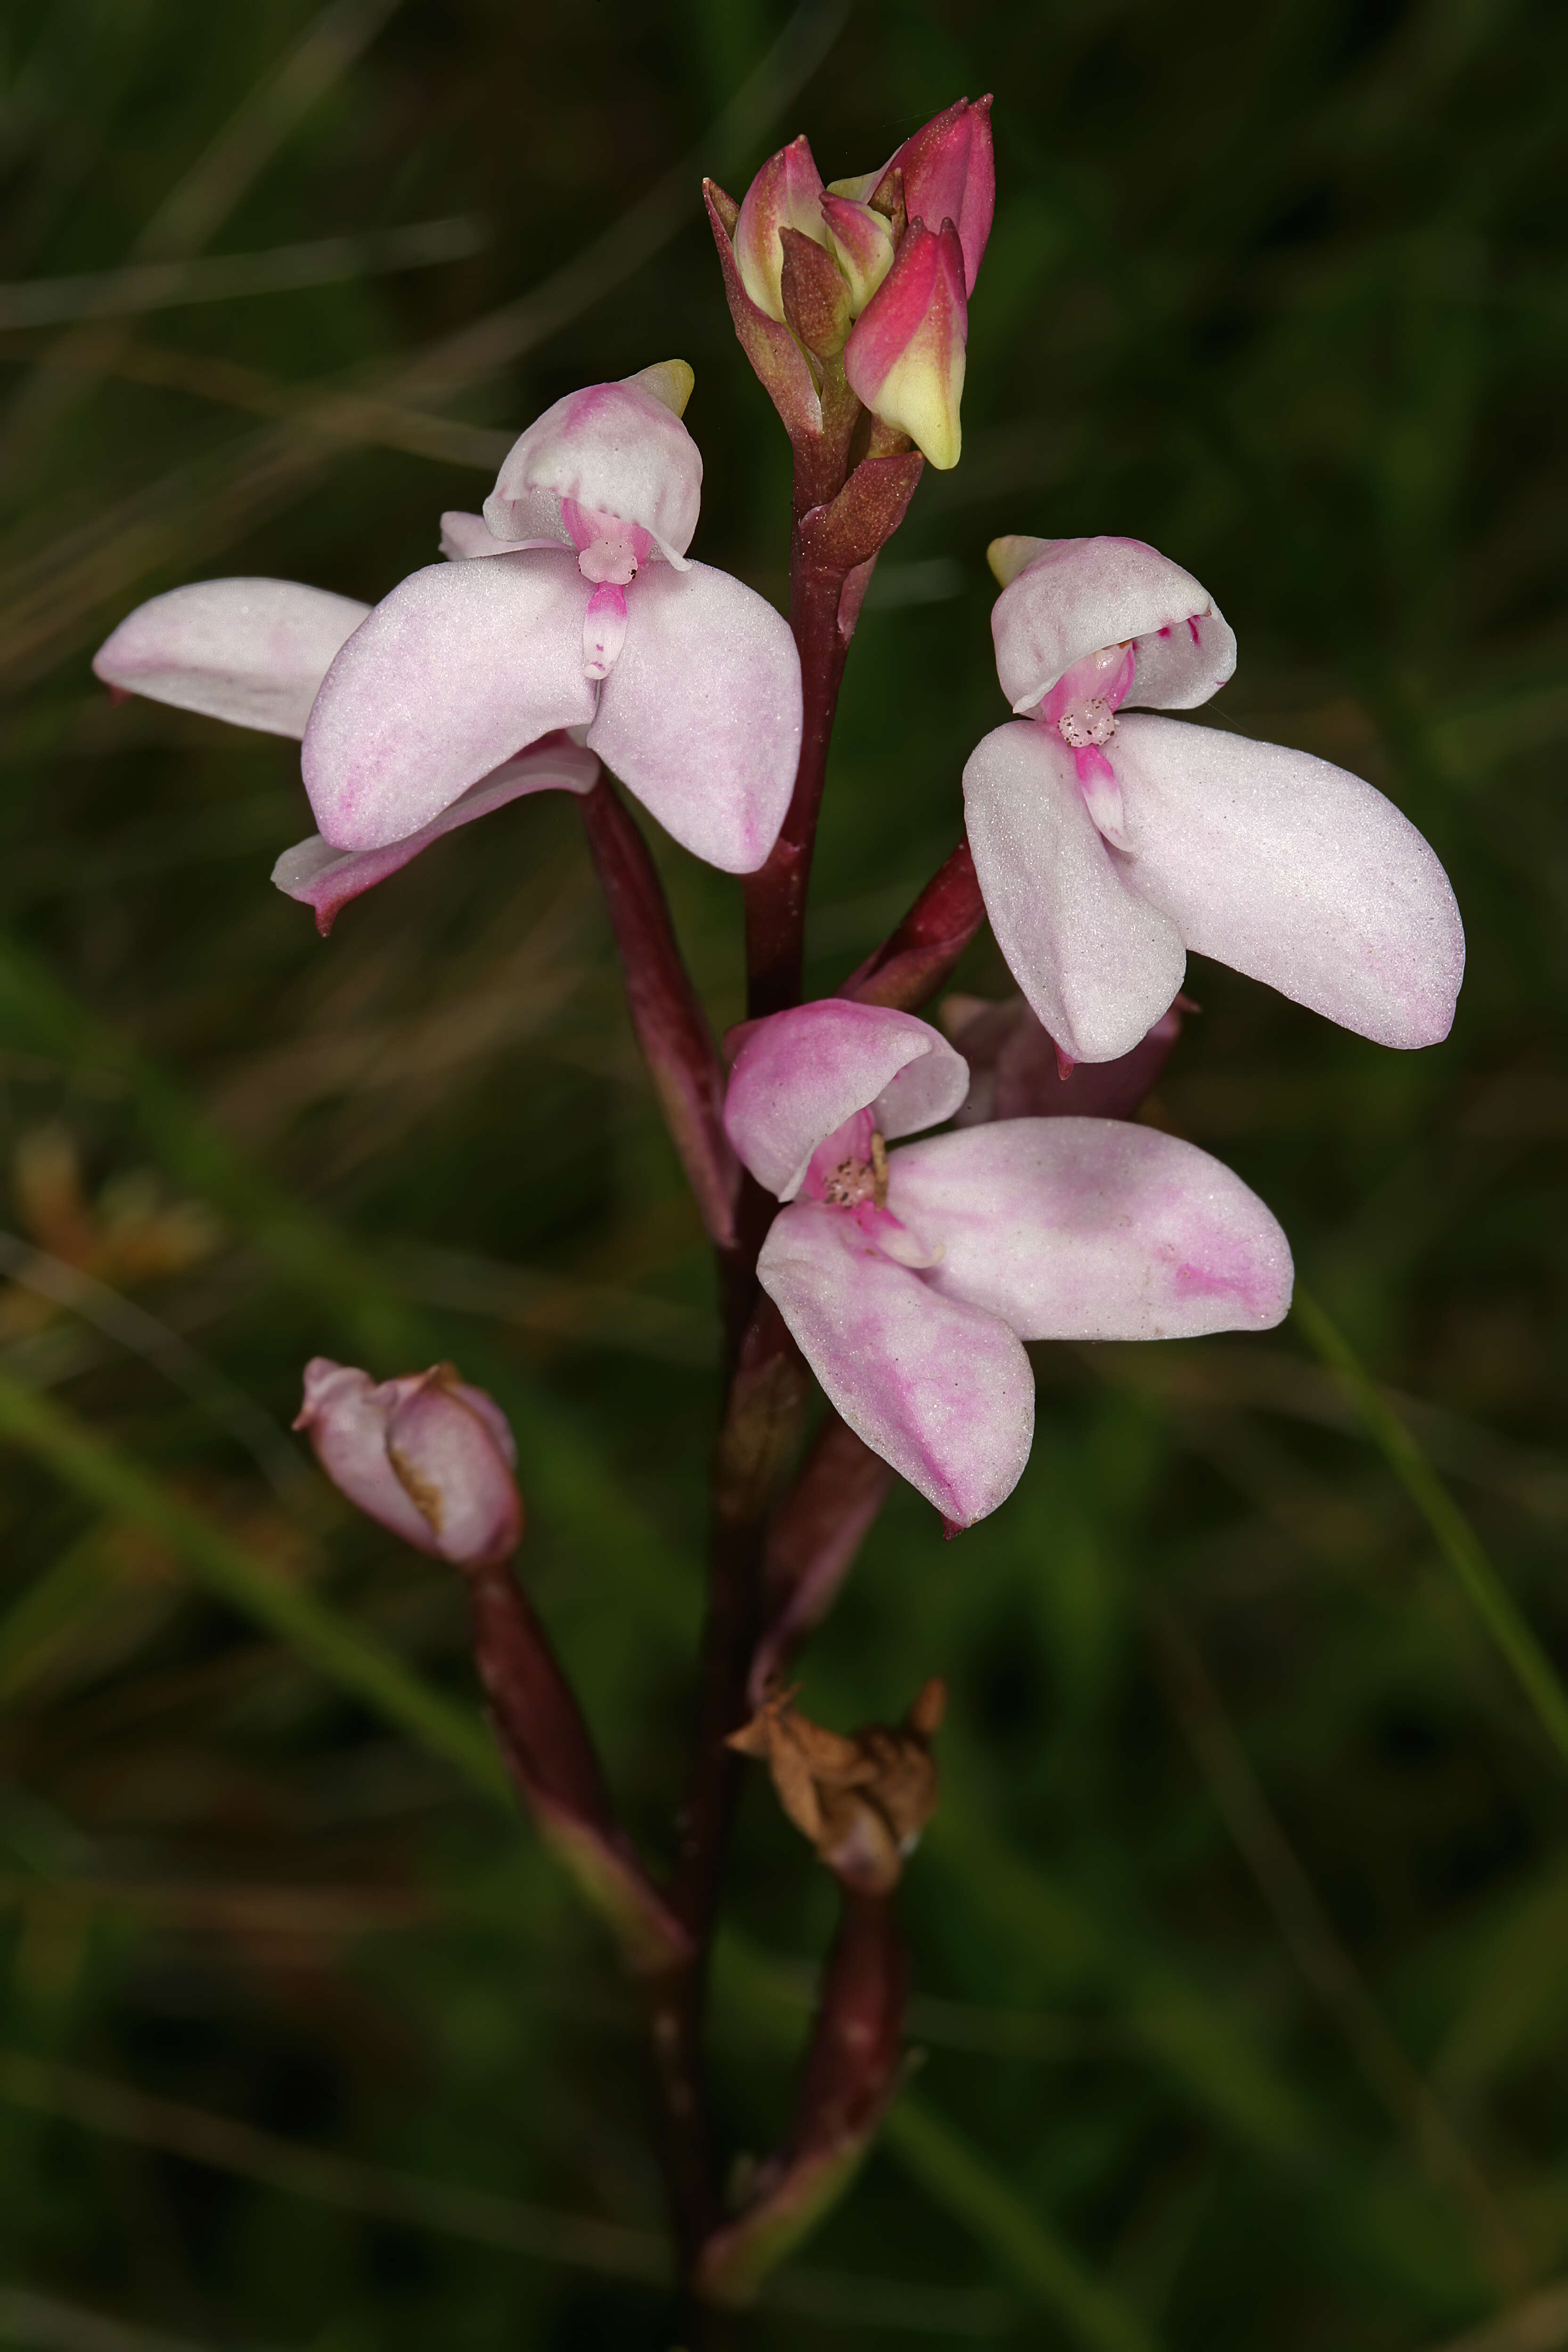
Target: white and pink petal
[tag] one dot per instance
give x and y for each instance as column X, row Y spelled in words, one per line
column 799, row 1075
column 700, row 716
column 460, row 667
column 251, row 651
column 1065, row 598
column 615, row 448
column 1295, row 872
column 1098, row 963
column 1093, row 1229
column 325, row 879
column 940, row 1388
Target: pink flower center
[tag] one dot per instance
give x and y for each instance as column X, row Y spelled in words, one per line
column 609, row 550
column 1082, row 707
column 609, row 554
column 848, row 1172
column 609, row 562
column 1083, row 703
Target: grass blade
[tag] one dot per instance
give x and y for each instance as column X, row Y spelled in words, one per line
column 1457, row 1539
column 1028, row 2249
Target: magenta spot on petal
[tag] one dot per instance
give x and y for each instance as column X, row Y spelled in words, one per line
column 1208, row 1282
column 1193, row 627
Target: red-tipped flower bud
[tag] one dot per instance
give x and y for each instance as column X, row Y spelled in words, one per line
column 862, row 243
column 786, row 194
column 950, row 174
column 427, row 1455
column 904, row 358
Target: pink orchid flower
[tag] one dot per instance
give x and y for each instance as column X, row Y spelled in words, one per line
column 911, row 1278
column 588, row 631
column 1107, row 846
column 427, row 1455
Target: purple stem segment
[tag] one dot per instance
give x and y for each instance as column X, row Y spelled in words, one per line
column 852, row 2072
column 835, row 541
column 671, row 1027
column 812, row 1542
column 775, row 897
column 912, row 963
column 539, row 1731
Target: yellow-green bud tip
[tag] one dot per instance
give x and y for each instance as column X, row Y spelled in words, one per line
column 670, row 381
column 1010, row 555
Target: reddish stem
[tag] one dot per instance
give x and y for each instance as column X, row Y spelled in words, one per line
column 550, row 1753
column 912, row 963
column 666, row 1013
column 812, row 1542
column 852, row 2070
column 776, row 896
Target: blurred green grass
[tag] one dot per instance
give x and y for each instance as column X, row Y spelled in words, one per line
column 1283, row 291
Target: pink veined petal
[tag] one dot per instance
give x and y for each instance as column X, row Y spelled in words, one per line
column 1097, row 961
column 701, row 717
column 615, row 449
column 1294, row 872
column 800, row 1075
column 326, row 878
column 251, row 651
column 1093, row 1229
column 1074, row 596
column 454, row 671
column 939, row 1388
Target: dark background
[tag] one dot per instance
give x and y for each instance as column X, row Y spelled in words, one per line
column 1240, row 1937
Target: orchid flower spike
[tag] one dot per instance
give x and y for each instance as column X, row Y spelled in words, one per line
column 589, row 633
column 911, row 1278
column 1107, row 846
column 427, row 1455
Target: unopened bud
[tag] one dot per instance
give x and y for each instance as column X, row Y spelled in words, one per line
column 786, row 194
column 815, row 292
column 862, row 243
column 950, row 174
column 1017, row 1071
column 427, row 1455
column 863, row 1800
column 905, row 356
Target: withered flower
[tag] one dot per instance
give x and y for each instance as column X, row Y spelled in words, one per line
column 863, row 1800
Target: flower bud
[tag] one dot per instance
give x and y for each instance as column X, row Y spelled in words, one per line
column 427, row 1455
column 862, row 244
column 786, row 194
column 904, row 358
column 1017, row 1070
column 815, row 294
column 950, row 174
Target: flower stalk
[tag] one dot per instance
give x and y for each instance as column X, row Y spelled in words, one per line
column 666, row 1013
